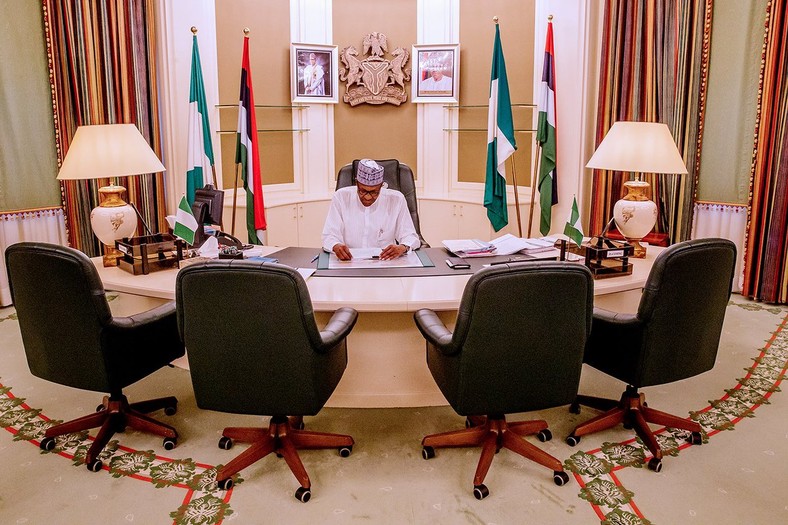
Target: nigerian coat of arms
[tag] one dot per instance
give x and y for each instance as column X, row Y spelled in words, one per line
column 375, row 79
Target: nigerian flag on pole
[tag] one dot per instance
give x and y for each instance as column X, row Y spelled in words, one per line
column 573, row 228
column 500, row 139
column 247, row 154
column 199, row 149
column 545, row 135
column 185, row 223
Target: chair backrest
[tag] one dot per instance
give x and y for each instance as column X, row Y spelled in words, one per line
column 251, row 337
column 520, row 331
column 397, row 176
column 62, row 311
column 682, row 307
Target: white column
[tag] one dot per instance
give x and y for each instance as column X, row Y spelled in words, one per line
column 174, row 52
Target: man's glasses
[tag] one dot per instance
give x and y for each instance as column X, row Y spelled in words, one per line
column 364, row 193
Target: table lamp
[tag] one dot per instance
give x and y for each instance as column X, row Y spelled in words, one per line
column 638, row 147
column 109, row 151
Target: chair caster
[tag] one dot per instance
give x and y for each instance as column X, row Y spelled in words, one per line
column 303, row 494
column 544, row 435
column 95, row 465
column 47, row 444
column 574, row 408
column 655, row 464
column 100, row 408
column 560, row 478
column 299, row 426
column 171, row 410
column 427, row 452
column 344, row 452
column 696, row 438
column 481, row 491
column 170, row 443
column 225, row 484
column 225, row 443
column 572, row 440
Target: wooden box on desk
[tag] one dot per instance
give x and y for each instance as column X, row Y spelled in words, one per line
column 148, row 253
column 604, row 257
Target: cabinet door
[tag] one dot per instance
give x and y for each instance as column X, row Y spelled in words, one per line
column 473, row 222
column 438, row 220
column 282, row 225
column 311, row 219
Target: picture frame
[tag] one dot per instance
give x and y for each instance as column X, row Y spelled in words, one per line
column 436, row 73
column 319, row 63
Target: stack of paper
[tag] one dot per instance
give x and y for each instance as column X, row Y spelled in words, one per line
column 470, row 247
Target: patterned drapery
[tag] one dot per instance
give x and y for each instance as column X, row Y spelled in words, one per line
column 654, row 68
column 103, row 71
column 766, row 257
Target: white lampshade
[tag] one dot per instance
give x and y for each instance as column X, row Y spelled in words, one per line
column 108, row 150
column 639, row 147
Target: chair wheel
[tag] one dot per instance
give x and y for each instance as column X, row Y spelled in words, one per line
column 300, row 425
column 481, row 491
column 572, row 440
column 303, row 494
column 170, row 443
column 544, row 435
column 100, row 408
column 95, row 465
column 560, row 478
column 225, row 443
column 427, row 452
column 345, row 451
column 574, row 408
column 655, row 464
column 225, row 484
column 47, row 444
column 696, row 438
column 171, row 410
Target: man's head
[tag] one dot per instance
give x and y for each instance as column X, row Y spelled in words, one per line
column 312, row 58
column 369, row 179
column 437, row 74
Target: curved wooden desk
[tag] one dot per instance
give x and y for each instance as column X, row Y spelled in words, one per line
column 386, row 353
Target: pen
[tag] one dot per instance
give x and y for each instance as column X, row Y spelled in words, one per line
column 315, row 258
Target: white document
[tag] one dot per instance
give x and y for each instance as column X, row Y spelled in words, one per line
column 509, row 244
column 465, row 245
column 409, row 260
column 364, row 253
column 306, row 273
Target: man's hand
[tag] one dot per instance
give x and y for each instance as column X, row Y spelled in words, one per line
column 392, row 251
column 342, row 252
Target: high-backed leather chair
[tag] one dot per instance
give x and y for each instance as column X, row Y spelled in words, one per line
column 397, row 176
column 517, row 346
column 254, row 348
column 71, row 338
column 674, row 335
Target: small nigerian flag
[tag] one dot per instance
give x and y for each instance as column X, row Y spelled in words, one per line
column 573, row 228
column 185, row 223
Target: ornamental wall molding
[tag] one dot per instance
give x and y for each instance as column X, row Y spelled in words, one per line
column 374, row 79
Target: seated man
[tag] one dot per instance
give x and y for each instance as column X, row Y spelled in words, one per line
column 369, row 216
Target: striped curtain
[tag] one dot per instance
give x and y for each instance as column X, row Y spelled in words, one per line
column 103, row 71
column 653, row 68
column 766, row 257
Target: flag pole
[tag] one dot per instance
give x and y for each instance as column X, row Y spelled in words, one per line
column 235, row 197
column 516, row 198
column 533, row 184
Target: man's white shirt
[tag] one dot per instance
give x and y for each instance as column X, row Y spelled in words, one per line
column 313, row 80
column 384, row 222
column 430, row 84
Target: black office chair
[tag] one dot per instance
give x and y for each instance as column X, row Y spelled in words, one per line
column 397, row 176
column 254, row 348
column 517, row 346
column 674, row 335
column 71, row 338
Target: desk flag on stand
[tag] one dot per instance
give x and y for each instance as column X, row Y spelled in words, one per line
column 500, row 139
column 185, row 223
column 248, row 156
column 545, row 135
column 199, row 149
column 574, row 228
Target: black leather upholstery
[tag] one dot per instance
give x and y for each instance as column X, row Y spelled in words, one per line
column 517, row 346
column 674, row 335
column 397, row 176
column 69, row 333
column 254, row 348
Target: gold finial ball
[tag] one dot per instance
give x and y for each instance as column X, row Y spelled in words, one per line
column 194, row 30
column 246, row 31
column 549, row 18
column 495, row 19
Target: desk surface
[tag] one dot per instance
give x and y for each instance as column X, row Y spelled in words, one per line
column 365, row 294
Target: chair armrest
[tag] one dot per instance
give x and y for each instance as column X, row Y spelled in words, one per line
column 615, row 326
column 143, row 318
column 338, row 328
column 434, row 331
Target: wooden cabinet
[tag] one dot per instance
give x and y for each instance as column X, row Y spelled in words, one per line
column 298, row 224
column 443, row 219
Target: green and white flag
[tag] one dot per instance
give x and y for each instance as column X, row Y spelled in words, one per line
column 573, row 228
column 199, row 149
column 545, row 135
column 185, row 223
column 500, row 139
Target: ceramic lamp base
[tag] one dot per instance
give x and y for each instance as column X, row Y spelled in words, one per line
column 111, row 220
column 635, row 214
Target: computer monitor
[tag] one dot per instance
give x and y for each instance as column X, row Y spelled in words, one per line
column 213, row 200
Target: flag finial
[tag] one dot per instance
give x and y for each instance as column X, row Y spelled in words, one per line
column 549, row 18
column 495, row 19
column 194, row 30
column 246, row 31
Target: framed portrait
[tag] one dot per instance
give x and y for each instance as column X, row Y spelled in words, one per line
column 436, row 75
column 314, row 73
